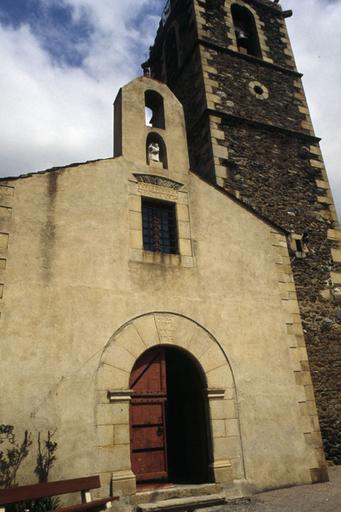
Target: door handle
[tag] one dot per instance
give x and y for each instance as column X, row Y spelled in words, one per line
column 159, row 431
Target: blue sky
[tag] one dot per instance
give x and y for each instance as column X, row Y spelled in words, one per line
column 65, row 29
column 63, row 37
column 63, row 62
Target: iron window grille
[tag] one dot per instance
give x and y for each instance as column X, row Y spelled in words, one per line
column 159, row 227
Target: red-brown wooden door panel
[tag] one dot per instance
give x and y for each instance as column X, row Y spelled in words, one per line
column 149, row 373
column 149, row 465
column 147, row 432
column 147, row 412
column 147, row 417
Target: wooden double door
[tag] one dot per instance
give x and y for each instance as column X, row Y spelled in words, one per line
column 168, row 418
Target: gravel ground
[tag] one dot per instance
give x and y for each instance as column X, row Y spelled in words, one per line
column 308, row 498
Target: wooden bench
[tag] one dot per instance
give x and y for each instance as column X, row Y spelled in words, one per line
column 50, row 489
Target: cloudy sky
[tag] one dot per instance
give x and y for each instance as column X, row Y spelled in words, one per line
column 62, row 62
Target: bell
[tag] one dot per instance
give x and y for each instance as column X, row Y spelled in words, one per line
column 241, row 35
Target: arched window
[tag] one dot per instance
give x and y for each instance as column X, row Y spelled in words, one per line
column 154, row 109
column 156, row 151
column 245, row 30
column 171, row 56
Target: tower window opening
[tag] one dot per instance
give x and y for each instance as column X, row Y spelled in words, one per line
column 154, row 110
column 299, row 246
column 171, row 57
column 149, row 116
column 159, row 226
column 156, row 152
column 246, row 31
column 258, row 89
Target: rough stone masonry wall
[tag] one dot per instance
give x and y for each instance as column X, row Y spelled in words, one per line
column 216, row 26
column 281, row 175
column 237, row 97
column 192, row 97
column 198, row 135
column 274, row 170
column 276, row 35
column 272, row 177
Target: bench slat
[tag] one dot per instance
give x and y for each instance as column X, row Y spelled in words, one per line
column 49, row 489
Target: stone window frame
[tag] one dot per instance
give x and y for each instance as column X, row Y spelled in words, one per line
column 297, row 246
column 161, row 189
column 264, row 48
column 241, row 14
column 263, row 93
column 159, row 226
column 154, row 101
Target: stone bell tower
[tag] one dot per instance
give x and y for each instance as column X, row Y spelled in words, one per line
column 231, row 65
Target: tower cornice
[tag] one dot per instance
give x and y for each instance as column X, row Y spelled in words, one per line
column 267, row 126
column 274, row 7
column 250, row 58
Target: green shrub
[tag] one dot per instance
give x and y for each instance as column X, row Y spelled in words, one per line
column 11, row 459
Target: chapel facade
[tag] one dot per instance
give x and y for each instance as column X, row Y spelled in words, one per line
column 150, row 317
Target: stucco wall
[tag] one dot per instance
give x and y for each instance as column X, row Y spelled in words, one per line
column 70, row 284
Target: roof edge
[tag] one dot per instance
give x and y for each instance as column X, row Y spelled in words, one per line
column 53, row 169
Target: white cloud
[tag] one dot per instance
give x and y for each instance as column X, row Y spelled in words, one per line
column 49, row 114
column 54, row 115
column 116, row 39
column 314, row 31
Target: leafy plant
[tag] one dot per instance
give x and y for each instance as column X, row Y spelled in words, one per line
column 46, row 456
column 45, row 459
column 11, row 459
column 14, row 454
column 39, row 505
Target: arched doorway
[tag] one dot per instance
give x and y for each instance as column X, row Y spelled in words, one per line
column 113, row 396
column 169, row 436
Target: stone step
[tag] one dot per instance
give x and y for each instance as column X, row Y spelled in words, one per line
column 175, row 491
column 183, row 504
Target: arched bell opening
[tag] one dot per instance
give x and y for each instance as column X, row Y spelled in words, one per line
column 154, row 110
column 171, row 56
column 245, row 31
column 156, row 151
column 169, row 429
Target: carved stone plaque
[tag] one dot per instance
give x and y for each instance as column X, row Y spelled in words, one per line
column 158, row 180
column 165, row 325
column 158, row 192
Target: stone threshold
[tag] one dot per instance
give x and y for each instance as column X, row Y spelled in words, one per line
column 168, row 491
column 183, row 503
